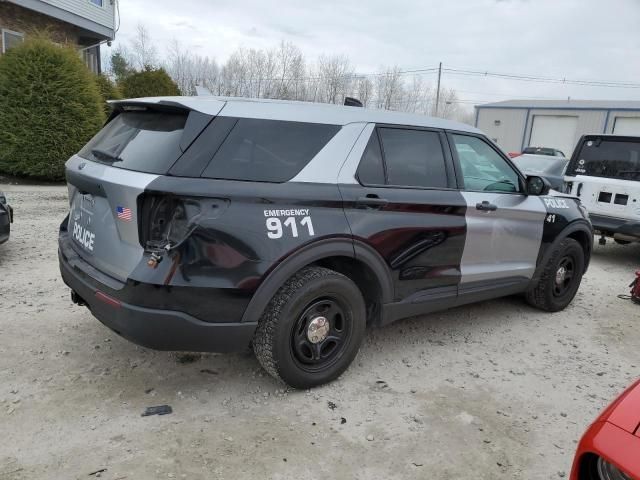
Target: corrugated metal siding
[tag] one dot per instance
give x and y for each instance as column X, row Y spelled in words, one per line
column 589, row 121
column 508, row 134
column 102, row 15
column 612, row 117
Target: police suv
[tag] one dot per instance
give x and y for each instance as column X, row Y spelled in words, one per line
column 213, row 224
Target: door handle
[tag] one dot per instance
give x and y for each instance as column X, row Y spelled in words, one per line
column 486, row 206
column 371, row 201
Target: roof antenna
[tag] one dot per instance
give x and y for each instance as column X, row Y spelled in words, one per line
column 352, row 102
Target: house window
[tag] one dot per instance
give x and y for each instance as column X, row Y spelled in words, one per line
column 11, row 39
column 98, row 3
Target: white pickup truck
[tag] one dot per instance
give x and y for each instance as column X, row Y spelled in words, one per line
column 604, row 172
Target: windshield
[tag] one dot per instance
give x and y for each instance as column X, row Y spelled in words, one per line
column 543, row 151
column 538, row 164
column 142, row 141
column 619, row 159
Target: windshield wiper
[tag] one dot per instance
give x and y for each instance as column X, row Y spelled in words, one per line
column 105, row 156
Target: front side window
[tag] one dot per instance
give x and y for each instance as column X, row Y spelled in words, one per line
column 268, row 150
column 483, row 169
column 97, row 3
column 11, row 39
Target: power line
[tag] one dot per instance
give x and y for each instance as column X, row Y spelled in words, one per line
column 531, row 78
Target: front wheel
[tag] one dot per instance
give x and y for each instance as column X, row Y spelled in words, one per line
column 560, row 278
column 312, row 328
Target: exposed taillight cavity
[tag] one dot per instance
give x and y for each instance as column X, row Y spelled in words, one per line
column 167, row 220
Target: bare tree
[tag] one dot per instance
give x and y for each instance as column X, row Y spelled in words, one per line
column 143, row 51
column 390, row 92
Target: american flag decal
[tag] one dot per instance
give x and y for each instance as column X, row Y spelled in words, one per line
column 124, row 213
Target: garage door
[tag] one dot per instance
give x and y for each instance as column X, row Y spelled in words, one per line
column 554, row 131
column 626, row 126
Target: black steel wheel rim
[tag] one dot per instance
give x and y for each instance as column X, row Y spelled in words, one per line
column 564, row 277
column 318, row 355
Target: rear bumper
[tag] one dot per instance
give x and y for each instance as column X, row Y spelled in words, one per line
column 6, row 218
column 616, row 227
column 159, row 329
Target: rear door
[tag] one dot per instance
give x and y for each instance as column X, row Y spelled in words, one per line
column 403, row 203
column 111, row 171
column 504, row 225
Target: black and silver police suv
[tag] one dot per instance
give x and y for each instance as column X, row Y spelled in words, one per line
column 212, row 224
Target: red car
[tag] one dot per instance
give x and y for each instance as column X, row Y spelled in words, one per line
column 610, row 448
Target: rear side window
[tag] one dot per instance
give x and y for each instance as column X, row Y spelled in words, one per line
column 146, row 141
column 268, row 150
column 607, row 158
column 413, row 158
column 371, row 168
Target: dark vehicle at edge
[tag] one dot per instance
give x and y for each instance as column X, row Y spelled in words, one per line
column 6, row 218
column 551, row 168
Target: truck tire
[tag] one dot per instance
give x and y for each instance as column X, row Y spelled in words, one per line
column 312, row 328
column 560, row 278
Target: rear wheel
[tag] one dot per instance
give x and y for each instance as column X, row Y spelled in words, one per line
column 560, row 278
column 312, row 328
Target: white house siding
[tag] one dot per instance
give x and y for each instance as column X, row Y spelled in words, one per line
column 508, row 134
column 101, row 15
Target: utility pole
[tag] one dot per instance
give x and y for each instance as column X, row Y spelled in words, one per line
column 438, row 90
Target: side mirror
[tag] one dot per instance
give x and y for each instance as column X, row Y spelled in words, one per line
column 537, row 186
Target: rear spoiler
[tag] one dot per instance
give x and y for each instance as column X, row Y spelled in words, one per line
column 208, row 105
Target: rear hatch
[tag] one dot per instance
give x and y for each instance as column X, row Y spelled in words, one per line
column 604, row 173
column 105, row 179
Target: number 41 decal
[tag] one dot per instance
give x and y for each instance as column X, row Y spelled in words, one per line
column 551, row 218
column 276, row 230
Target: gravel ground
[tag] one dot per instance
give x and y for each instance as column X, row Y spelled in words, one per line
column 490, row 391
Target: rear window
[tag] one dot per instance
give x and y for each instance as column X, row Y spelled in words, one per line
column 617, row 159
column 143, row 141
column 268, row 150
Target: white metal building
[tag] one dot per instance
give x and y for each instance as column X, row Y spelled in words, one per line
column 516, row 124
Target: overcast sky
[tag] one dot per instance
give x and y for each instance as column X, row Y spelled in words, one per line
column 573, row 39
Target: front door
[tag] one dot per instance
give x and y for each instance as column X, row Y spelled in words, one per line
column 504, row 224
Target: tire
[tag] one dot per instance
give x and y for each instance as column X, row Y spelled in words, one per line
column 285, row 342
column 555, row 291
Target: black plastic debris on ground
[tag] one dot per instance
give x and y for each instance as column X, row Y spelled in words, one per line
column 157, row 410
